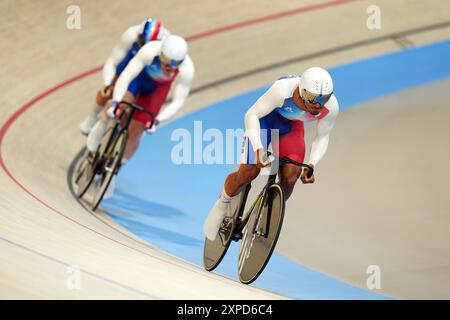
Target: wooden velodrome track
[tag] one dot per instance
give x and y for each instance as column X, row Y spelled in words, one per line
column 43, row 230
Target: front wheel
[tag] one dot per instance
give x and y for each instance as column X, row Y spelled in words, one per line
column 261, row 235
column 112, row 156
column 214, row 251
column 84, row 173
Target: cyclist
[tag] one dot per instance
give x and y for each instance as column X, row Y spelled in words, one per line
column 130, row 42
column 285, row 106
column 146, row 81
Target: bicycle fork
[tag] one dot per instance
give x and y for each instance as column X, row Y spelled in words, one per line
column 263, row 231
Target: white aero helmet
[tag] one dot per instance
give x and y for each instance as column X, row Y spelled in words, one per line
column 173, row 51
column 316, row 85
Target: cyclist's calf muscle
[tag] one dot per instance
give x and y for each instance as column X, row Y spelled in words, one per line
column 289, row 174
column 245, row 174
column 135, row 131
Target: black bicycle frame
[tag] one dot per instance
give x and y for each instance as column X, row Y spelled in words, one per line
column 133, row 108
column 119, row 114
column 265, row 191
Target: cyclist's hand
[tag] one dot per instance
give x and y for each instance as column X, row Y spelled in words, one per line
column 261, row 158
column 152, row 129
column 304, row 176
column 109, row 91
column 111, row 109
column 103, row 95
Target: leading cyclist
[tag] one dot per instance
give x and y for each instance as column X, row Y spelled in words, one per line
column 285, row 106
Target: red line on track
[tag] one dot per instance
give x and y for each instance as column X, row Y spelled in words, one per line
column 275, row 16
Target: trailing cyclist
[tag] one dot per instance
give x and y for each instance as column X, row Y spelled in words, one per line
column 130, row 42
column 146, row 81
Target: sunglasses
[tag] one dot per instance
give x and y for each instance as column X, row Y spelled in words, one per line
column 170, row 62
column 315, row 98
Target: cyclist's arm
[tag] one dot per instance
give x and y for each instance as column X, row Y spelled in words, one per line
column 323, row 130
column 180, row 91
column 270, row 100
column 144, row 56
column 118, row 53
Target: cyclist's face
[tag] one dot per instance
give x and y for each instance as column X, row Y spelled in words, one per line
column 168, row 66
column 313, row 108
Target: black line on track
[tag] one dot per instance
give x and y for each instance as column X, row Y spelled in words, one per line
column 83, row 271
column 321, row 53
column 404, row 42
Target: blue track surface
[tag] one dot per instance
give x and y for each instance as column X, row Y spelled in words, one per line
column 166, row 204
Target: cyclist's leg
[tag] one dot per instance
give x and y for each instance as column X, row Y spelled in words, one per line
column 135, row 131
column 246, row 172
column 229, row 194
column 289, row 174
column 103, row 95
column 291, row 145
column 151, row 100
column 98, row 130
column 100, row 100
column 135, row 86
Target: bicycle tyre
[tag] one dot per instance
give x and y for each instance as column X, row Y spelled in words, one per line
column 214, row 251
column 84, row 174
column 255, row 250
column 112, row 157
